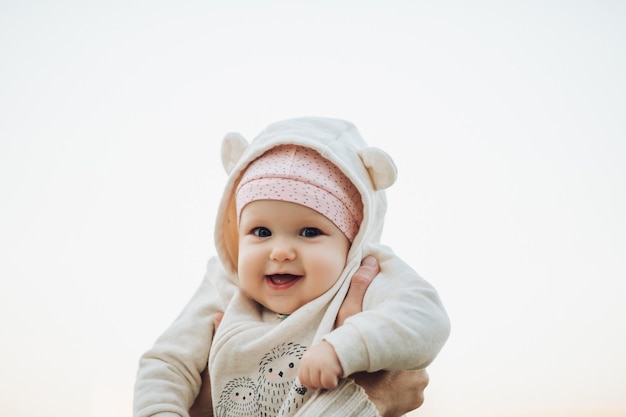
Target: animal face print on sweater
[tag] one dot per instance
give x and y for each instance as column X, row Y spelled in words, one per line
column 274, row 394
column 238, row 399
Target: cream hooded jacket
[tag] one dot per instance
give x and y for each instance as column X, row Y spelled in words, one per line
column 253, row 357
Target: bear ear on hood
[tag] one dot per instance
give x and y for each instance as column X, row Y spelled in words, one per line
column 233, row 146
column 380, row 167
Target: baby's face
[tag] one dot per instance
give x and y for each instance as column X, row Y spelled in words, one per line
column 288, row 254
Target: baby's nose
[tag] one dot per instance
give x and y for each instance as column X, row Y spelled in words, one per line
column 282, row 251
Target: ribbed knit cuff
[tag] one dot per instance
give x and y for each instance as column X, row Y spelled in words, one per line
column 347, row 400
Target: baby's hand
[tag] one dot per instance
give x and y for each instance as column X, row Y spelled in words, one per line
column 320, row 367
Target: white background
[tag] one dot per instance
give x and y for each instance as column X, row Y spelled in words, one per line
column 506, row 121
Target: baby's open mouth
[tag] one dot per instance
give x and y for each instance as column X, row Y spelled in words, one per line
column 282, row 279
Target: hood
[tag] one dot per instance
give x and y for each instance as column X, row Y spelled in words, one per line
column 370, row 169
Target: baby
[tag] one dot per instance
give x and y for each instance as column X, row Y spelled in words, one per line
column 303, row 205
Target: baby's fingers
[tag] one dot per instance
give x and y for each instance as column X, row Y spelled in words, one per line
column 328, row 380
column 304, row 375
column 317, row 379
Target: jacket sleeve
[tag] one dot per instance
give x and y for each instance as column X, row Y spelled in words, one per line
column 403, row 324
column 169, row 375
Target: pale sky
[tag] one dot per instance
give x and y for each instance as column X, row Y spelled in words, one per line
column 507, row 121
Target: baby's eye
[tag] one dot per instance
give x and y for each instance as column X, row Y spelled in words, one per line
column 261, row 232
column 310, row 232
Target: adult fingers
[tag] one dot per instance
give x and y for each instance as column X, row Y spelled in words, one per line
column 362, row 278
column 217, row 319
column 394, row 393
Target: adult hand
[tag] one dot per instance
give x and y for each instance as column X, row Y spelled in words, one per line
column 393, row 392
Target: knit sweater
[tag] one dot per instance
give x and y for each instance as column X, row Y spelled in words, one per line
column 253, row 357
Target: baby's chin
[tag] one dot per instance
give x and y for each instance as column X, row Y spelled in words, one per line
column 282, row 310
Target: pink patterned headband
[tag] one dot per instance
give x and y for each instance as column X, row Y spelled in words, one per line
column 301, row 175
